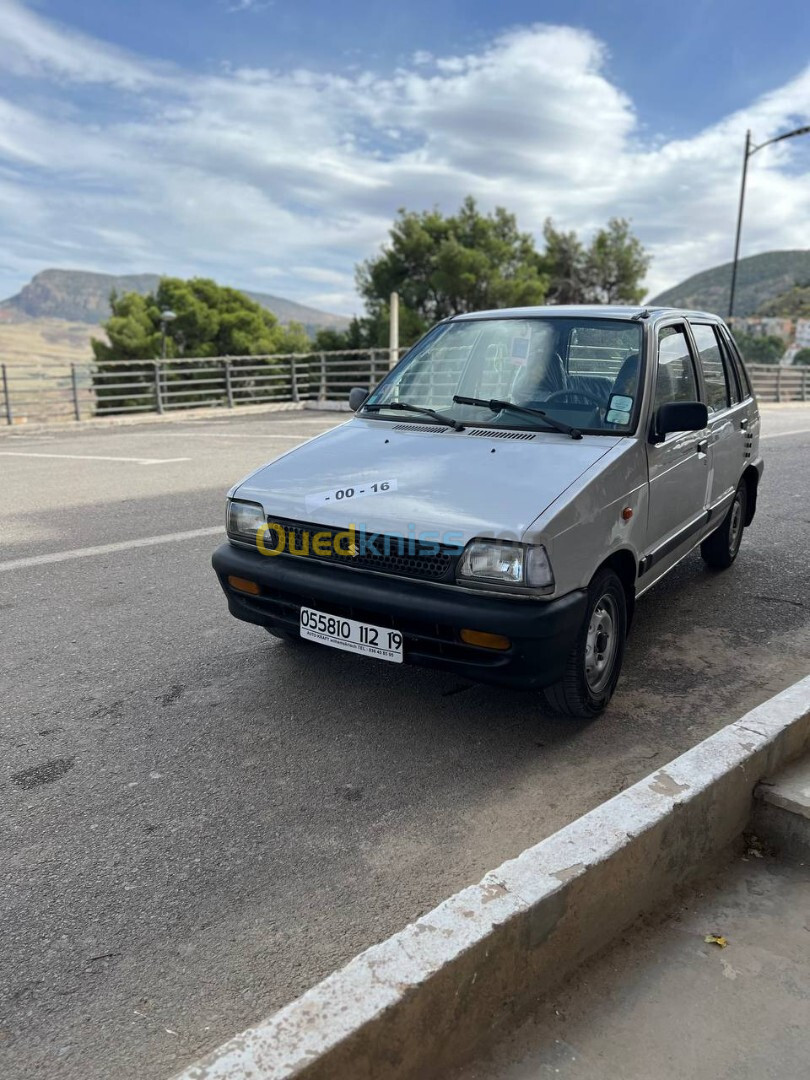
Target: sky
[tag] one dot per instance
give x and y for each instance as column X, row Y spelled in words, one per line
column 269, row 144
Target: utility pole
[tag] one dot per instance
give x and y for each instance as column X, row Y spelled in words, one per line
column 393, row 331
column 733, row 289
column 750, row 150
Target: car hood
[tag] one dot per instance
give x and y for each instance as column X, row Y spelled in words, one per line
column 469, row 483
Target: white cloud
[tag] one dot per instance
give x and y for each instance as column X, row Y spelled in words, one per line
column 253, row 175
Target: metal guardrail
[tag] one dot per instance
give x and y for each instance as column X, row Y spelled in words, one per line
column 773, row 382
column 36, row 392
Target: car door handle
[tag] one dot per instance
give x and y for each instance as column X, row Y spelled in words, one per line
column 744, row 423
column 703, row 446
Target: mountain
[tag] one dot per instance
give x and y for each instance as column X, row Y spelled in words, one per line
column 793, row 304
column 80, row 296
column 760, row 278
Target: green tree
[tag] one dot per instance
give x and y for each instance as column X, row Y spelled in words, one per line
column 211, row 320
column 615, row 265
column 441, row 266
column 802, row 357
column 469, row 261
column 565, row 263
column 766, row 349
column 609, row 271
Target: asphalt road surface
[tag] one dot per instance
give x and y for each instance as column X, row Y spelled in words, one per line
column 199, row 821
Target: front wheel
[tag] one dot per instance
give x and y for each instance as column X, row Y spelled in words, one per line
column 721, row 548
column 595, row 661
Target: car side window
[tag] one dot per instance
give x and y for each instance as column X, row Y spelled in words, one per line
column 739, row 367
column 736, row 386
column 676, row 379
column 717, row 380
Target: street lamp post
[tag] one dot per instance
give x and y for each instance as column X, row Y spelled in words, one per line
column 165, row 318
column 749, row 150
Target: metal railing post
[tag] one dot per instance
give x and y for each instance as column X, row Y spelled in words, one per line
column 158, row 392
column 804, row 383
column 322, row 386
column 228, row 383
column 294, row 395
column 75, row 384
column 7, row 397
column 779, row 383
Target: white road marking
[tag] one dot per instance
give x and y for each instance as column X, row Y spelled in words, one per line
column 109, row 549
column 779, row 434
column 93, row 457
column 259, row 437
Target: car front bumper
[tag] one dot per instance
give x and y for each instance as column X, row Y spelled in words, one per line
column 430, row 617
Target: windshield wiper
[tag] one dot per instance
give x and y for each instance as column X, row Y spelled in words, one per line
column 499, row 406
column 456, row 425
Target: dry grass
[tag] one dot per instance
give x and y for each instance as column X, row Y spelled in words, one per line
column 46, row 342
column 37, row 354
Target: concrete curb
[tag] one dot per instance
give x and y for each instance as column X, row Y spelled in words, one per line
column 421, row 1003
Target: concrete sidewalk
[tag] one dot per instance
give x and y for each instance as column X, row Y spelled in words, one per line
column 663, row 1003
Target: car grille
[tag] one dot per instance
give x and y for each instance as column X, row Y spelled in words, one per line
column 386, row 554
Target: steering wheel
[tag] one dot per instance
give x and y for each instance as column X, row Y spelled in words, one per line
column 570, row 391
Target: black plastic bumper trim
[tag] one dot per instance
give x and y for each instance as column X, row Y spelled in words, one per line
column 542, row 632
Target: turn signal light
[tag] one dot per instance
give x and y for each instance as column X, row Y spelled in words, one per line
column 243, row 585
column 486, row 641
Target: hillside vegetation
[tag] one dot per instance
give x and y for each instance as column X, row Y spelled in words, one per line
column 793, row 304
column 760, row 279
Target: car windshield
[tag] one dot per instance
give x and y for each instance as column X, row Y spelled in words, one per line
column 581, row 371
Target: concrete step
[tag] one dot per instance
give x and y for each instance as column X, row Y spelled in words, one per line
column 782, row 810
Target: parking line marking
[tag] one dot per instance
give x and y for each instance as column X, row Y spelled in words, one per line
column 779, row 434
column 93, row 457
column 109, row 549
column 228, row 435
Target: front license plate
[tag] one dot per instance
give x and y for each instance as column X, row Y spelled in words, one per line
column 353, row 636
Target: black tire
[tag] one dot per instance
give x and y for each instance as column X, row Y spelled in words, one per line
column 586, row 687
column 721, row 548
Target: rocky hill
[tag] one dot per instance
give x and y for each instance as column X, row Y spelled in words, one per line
column 760, row 279
column 78, row 296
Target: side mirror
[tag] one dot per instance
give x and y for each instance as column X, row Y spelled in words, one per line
column 681, row 416
column 357, row 398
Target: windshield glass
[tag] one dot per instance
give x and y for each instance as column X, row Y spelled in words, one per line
column 583, row 372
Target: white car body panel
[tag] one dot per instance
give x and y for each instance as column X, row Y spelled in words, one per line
column 448, row 482
column 583, row 499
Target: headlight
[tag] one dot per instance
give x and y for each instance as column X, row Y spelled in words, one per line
column 506, row 563
column 243, row 519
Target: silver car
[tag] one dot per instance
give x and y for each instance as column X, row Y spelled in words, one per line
column 498, row 503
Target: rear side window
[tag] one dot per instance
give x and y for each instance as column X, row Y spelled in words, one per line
column 676, row 379
column 734, row 353
column 717, row 380
column 736, row 386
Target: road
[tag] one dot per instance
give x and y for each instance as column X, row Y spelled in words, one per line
column 199, row 821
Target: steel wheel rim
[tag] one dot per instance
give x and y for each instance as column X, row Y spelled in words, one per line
column 735, row 526
column 601, row 643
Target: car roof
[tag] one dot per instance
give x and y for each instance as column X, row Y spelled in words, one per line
column 590, row 311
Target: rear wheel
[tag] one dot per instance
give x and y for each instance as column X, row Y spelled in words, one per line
column 595, row 661
column 720, row 549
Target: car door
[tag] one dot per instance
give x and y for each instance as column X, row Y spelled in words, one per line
column 728, row 421
column 677, row 465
